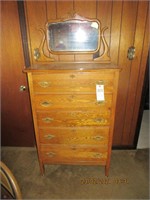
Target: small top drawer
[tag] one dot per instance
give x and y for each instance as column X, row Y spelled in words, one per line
column 78, row 82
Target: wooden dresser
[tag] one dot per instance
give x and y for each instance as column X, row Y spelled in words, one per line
column 71, row 125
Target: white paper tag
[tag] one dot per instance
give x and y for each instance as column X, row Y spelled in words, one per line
column 100, row 92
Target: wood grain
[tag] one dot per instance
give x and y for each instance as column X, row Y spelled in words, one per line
column 73, row 118
column 115, row 30
column 135, row 69
column 71, row 101
column 72, row 82
column 126, row 40
column 64, row 8
column 104, row 7
column 73, row 128
column 140, row 83
column 85, row 9
column 51, row 10
column 78, row 136
column 36, row 19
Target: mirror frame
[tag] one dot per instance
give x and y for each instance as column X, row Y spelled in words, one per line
column 75, row 18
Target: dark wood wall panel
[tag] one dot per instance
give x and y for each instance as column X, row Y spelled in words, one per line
column 126, row 40
column 104, row 7
column 16, row 119
column 36, row 19
column 51, row 10
column 141, row 75
column 134, row 71
column 115, row 30
column 64, row 8
column 85, row 9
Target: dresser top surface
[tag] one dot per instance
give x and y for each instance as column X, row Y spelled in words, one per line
column 71, row 66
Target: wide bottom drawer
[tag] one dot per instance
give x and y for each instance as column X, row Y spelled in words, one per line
column 72, row 154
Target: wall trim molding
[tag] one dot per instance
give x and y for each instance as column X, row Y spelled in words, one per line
column 23, row 29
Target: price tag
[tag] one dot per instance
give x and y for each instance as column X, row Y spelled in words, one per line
column 100, row 92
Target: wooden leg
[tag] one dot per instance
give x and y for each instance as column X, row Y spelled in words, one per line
column 42, row 169
column 106, row 170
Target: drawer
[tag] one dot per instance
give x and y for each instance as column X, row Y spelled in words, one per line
column 71, row 82
column 76, row 101
column 86, row 135
column 65, row 153
column 74, row 118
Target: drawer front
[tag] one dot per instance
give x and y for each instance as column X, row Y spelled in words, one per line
column 77, row 82
column 92, row 136
column 74, row 118
column 62, row 153
column 76, row 101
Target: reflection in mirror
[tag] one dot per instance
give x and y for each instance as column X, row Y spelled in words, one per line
column 73, row 36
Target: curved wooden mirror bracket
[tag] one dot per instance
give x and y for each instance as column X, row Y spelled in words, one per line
column 47, row 50
column 104, row 57
column 41, row 53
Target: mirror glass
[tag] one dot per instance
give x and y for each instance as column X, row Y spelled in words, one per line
column 73, row 36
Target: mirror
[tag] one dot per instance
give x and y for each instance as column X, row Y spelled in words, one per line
column 73, row 36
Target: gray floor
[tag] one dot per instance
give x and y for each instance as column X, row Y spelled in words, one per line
column 128, row 177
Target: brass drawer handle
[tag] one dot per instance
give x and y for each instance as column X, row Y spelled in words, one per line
column 100, row 82
column 100, row 120
column 98, row 137
column 97, row 155
column 44, row 84
column 50, row 154
column 46, row 104
column 49, row 136
column 73, row 147
column 72, row 76
column 100, row 102
column 47, row 119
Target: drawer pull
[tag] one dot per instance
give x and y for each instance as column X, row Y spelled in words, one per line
column 44, row 84
column 97, row 155
column 72, row 76
column 47, row 119
column 49, row 136
column 50, row 154
column 100, row 102
column 46, row 104
column 100, row 120
column 73, row 147
column 100, row 82
column 98, row 137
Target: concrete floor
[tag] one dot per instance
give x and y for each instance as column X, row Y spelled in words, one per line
column 128, row 177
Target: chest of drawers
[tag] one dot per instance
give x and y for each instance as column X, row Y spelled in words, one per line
column 71, row 125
